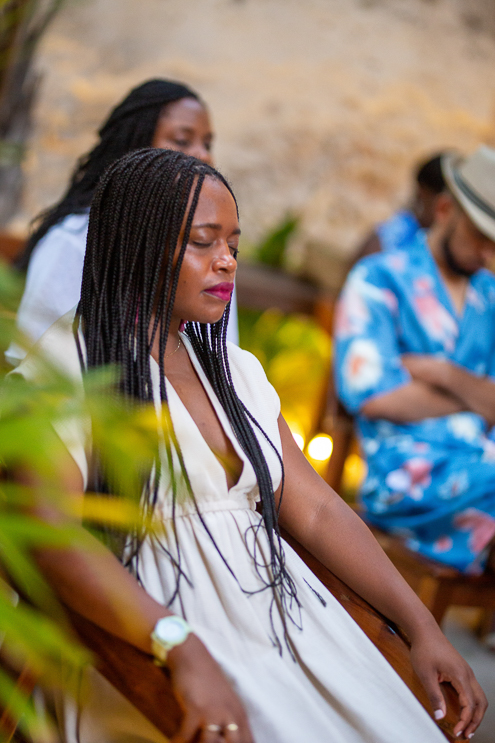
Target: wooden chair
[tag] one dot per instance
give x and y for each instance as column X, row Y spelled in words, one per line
column 25, row 681
column 10, row 246
column 438, row 586
column 335, row 421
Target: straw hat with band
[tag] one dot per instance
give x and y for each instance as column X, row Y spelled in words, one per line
column 472, row 181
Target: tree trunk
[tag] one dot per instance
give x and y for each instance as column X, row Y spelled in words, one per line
column 22, row 23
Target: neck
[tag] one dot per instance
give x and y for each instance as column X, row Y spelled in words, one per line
column 172, row 339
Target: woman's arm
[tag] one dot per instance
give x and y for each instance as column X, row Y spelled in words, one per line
column 323, row 523
column 91, row 581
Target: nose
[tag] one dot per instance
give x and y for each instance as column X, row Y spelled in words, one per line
column 200, row 151
column 488, row 251
column 224, row 260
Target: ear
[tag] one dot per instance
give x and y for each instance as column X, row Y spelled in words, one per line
column 445, row 207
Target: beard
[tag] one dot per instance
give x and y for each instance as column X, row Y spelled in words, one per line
column 451, row 261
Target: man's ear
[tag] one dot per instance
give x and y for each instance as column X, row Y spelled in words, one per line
column 445, row 208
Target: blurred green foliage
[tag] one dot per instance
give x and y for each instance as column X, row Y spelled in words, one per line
column 295, row 353
column 34, row 630
column 272, row 249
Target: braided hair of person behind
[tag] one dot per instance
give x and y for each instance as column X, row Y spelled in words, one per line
column 130, row 126
column 129, row 284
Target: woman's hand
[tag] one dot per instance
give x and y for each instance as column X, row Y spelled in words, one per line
column 435, row 660
column 213, row 713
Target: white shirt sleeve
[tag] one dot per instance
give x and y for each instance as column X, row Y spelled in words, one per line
column 53, row 282
column 58, row 347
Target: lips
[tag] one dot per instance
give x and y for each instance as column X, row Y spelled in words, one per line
column 221, row 291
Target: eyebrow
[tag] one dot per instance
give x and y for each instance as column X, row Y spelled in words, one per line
column 213, row 226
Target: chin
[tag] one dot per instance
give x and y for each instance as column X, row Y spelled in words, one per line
column 206, row 319
column 471, row 270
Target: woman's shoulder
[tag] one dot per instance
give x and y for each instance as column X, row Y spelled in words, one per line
column 250, row 380
column 244, row 362
column 71, row 224
column 56, row 349
column 71, row 230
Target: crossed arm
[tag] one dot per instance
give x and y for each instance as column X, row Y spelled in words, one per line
column 438, row 387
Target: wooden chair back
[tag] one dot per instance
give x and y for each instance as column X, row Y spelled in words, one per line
column 439, row 586
column 10, row 246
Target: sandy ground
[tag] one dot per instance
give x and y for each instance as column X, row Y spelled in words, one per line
column 320, row 107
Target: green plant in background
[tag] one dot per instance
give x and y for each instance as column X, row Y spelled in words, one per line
column 295, row 353
column 35, row 632
column 272, row 249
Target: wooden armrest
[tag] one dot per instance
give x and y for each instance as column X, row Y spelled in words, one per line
column 25, row 682
column 133, row 673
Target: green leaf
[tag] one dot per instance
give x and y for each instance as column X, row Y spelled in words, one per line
column 32, row 722
column 272, row 250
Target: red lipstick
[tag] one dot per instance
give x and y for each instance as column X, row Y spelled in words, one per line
column 221, row 291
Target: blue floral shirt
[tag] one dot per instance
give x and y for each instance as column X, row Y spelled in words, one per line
column 433, row 480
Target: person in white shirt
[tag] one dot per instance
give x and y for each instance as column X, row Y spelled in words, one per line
column 158, row 113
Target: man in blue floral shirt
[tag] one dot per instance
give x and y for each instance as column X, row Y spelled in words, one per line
column 415, row 362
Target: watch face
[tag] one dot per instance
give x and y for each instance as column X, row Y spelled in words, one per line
column 171, row 630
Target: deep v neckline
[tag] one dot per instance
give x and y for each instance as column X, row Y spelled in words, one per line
column 175, row 401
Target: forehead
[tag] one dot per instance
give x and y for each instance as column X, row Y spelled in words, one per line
column 215, row 205
column 186, row 112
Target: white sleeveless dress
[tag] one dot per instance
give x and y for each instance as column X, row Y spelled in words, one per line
column 339, row 689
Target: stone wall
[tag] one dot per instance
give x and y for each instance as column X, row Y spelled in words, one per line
column 320, row 106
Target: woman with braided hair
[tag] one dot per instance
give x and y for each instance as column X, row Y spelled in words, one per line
column 258, row 650
column 157, row 113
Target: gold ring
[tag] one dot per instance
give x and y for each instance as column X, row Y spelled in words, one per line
column 232, row 726
column 213, row 728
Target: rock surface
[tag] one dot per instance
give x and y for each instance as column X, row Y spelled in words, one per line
column 321, row 107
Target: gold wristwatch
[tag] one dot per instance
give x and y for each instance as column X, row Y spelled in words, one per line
column 168, row 633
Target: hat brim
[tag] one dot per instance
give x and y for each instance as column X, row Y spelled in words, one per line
column 485, row 223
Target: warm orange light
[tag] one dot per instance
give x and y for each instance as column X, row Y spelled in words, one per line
column 354, row 472
column 298, row 439
column 320, row 447
column 297, row 434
